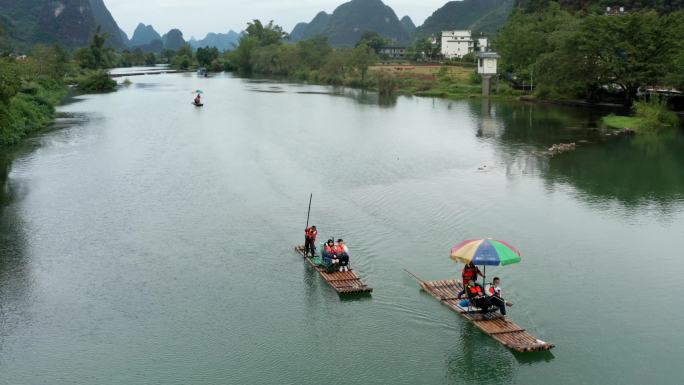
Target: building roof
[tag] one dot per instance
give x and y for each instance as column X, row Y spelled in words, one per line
column 489, row 55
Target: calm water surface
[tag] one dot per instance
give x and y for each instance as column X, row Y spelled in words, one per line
column 151, row 241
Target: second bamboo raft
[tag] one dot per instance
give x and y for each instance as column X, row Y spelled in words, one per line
column 501, row 329
column 347, row 282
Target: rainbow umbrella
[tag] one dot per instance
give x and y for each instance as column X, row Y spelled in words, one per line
column 488, row 252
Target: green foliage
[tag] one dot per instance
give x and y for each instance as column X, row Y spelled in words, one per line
column 314, row 51
column 51, row 61
column 137, row 57
column 621, row 122
column 581, row 55
column 9, row 81
column 361, row 58
column 95, row 81
column 387, row 83
column 266, row 34
column 30, row 108
column 97, row 55
column 654, row 115
column 662, row 6
column 476, row 15
column 183, row 58
column 423, row 49
column 205, row 56
column 372, row 40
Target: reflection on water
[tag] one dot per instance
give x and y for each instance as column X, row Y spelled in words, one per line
column 478, row 359
column 15, row 274
column 636, row 170
column 641, row 170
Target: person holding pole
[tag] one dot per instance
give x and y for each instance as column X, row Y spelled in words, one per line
column 310, row 241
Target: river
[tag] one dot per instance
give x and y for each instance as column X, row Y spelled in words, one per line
column 151, row 242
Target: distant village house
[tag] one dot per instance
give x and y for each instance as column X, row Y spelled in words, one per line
column 393, row 52
column 456, row 44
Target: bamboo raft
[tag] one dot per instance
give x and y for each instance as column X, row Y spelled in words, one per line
column 501, row 329
column 343, row 282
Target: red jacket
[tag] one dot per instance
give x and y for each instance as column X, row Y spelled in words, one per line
column 311, row 234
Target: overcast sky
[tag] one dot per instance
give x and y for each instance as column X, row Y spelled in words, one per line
column 198, row 17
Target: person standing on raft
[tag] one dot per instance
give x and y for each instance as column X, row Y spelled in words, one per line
column 470, row 273
column 198, row 99
column 310, row 241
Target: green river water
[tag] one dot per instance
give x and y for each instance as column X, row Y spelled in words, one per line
column 151, row 242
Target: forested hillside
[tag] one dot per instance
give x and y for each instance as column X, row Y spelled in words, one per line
column 477, row 15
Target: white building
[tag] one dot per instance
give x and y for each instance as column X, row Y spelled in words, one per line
column 486, row 63
column 483, row 44
column 456, row 44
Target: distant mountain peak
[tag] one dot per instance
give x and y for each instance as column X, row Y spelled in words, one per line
column 143, row 35
column 408, row 24
column 350, row 20
column 70, row 23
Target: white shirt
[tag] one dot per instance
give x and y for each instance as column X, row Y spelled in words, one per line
column 497, row 290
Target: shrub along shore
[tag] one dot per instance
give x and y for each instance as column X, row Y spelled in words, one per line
column 32, row 86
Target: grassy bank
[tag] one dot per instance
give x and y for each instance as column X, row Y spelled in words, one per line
column 649, row 116
column 618, row 122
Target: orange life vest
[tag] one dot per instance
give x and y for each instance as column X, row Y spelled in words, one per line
column 330, row 250
column 339, row 250
column 474, row 290
column 492, row 291
column 470, row 272
column 311, row 233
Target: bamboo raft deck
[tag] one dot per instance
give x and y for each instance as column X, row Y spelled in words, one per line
column 501, row 329
column 347, row 282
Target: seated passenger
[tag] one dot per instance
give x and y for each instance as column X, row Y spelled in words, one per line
column 494, row 293
column 342, row 255
column 475, row 294
column 328, row 254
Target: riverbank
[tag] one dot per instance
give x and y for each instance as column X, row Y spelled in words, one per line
column 30, row 110
column 442, row 81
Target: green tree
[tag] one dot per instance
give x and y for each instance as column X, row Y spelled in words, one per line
column 150, row 59
column 266, row 34
column 337, row 66
column 627, row 52
column 373, row 40
column 9, row 81
column 361, row 58
column 205, row 56
column 50, row 61
column 183, row 58
column 97, row 55
column 423, row 49
column 314, row 52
